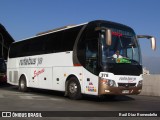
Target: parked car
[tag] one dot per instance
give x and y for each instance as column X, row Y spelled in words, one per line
column 3, row 71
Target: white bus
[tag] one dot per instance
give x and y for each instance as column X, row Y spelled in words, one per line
column 95, row 58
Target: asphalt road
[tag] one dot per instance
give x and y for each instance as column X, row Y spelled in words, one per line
column 44, row 100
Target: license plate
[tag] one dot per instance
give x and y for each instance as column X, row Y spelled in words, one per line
column 125, row 91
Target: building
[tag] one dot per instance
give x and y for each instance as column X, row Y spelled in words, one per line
column 5, row 41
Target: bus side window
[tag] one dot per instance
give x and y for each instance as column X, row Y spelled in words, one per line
column 91, row 55
column 54, row 42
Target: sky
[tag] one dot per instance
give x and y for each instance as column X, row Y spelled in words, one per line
column 26, row 18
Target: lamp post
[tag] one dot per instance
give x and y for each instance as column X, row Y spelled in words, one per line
column 2, row 43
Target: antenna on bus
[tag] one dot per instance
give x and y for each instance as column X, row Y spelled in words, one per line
column 56, row 29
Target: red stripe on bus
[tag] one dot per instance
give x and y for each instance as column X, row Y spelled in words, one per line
column 77, row 65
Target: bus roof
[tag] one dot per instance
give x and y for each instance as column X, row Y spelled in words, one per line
column 72, row 26
column 52, row 31
column 55, row 29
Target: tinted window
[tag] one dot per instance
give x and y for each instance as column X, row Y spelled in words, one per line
column 54, row 42
column 87, row 50
column 69, row 38
column 51, row 43
column 36, row 46
column 19, row 49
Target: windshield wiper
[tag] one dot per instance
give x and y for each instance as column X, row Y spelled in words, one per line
column 132, row 44
column 120, row 42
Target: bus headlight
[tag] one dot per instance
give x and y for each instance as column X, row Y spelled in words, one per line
column 111, row 83
column 108, row 82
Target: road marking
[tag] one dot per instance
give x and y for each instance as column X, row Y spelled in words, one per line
column 26, row 97
column 39, row 98
column 56, row 99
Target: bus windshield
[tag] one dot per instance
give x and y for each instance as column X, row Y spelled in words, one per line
column 124, row 49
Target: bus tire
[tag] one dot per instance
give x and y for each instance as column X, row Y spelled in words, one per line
column 74, row 89
column 23, row 84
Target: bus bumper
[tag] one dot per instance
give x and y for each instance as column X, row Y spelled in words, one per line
column 120, row 90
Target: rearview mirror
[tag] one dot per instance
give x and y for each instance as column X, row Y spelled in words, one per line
column 108, row 34
column 152, row 39
column 108, row 37
column 153, row 43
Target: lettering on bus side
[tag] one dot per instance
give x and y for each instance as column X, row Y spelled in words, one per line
column 30, row 61
column 129, row 79
column 37, row 73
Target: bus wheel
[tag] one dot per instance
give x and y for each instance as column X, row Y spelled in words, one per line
column 74, row 89
column 22, row 84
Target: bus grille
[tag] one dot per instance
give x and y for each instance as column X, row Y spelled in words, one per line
column 126, row 84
